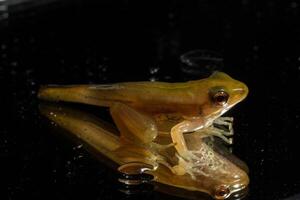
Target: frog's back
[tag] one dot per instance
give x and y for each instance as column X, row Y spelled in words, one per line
column 150, row 96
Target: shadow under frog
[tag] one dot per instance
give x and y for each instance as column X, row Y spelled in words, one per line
column 153, row 120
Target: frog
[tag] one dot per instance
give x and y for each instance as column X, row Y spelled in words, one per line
column 143, row 110
column 214, row 172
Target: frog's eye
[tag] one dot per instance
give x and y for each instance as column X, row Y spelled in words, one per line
column 220, row 97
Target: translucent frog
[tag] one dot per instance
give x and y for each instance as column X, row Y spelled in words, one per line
column 163, row 125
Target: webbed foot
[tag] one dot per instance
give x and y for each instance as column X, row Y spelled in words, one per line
column 226, row 124
column 222, row 128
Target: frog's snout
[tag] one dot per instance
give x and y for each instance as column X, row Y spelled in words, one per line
column 245, row 90
column 240, row 92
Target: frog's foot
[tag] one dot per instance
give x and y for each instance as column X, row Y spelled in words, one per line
column 189, row 156
column 194, row 162
column 222, row 128
column 226, row 124
column 192, row 167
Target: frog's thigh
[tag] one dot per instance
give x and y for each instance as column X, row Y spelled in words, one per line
column 132, row 124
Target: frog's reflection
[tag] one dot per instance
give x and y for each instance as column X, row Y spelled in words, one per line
column 219, row 177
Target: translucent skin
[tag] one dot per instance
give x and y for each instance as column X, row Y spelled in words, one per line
column 189, row 99
column 145, row 112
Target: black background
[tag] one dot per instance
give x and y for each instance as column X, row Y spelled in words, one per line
column 104, row 42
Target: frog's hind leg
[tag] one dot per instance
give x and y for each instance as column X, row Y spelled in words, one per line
column 133, row 125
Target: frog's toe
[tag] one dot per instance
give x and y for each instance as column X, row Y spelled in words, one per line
column 226, row 122
column 190, row 156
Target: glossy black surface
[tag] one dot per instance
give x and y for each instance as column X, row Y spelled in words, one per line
column 104, row 42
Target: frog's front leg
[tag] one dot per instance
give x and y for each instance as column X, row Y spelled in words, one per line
column 177, row 136
column 133, row 125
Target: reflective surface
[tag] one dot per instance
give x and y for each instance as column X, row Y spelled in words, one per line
column 212, row 172
column 106, row 43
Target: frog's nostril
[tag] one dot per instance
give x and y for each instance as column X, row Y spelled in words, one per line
column 241, row 90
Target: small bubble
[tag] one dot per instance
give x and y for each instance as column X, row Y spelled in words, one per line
column 154, row 70
column 3, row 46
column 32, row 83
column 89, row 73
column 262, row 161
column 258, row 14
column 53, row 123
column 294, row 4
column 245, row 2
column 16, row 40
column 14, row 64
column 103, row 68
column 171, row 15
column 69, row 174
column 78, row 146
column 29, row 71
column 152, row 79
column 255, row 48
column 77, row 157
column 167, row 77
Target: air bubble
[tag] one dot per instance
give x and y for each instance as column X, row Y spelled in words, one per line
column 154, row 70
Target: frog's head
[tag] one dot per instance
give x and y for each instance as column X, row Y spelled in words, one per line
column 223, row 92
